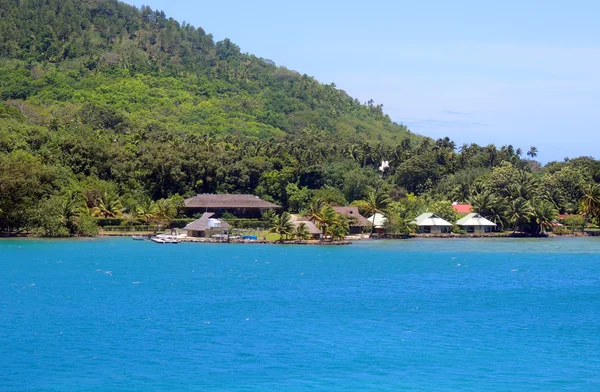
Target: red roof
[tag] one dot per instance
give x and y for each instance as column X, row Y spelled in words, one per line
column 462, row 208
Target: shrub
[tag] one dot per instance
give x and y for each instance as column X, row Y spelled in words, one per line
column 561, row 230
column 86, row 226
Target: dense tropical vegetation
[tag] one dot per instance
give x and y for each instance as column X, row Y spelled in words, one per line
column 112, row 114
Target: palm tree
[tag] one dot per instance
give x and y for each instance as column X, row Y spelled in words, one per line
column 497, row 213
column 109, row 206
column 482, row 202
column 533, row 152
column 302, row 232
column 544, row 214
column 460, row 193
column 282, row 225
column 163, row 210
column 338, row 229
column 519, row 212
column 144, row 211
column 366, row 152
column 321, row 214
column 375, row 202
column 590, row 202
column 400, row 223
column 71, row 206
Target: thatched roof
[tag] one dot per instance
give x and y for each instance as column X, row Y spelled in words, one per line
column 429, row 219
column 207, row 200
column 312, row 228
column 202, row 223
column 352, row 212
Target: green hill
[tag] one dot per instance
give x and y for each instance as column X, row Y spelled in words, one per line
column 141, row 69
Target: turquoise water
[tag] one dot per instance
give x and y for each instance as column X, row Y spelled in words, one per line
column 423, row 315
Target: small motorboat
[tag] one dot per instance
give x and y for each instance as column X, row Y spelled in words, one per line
column 138, row 237
column 165, row 240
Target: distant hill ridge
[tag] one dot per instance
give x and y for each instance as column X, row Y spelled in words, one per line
column 114, row 66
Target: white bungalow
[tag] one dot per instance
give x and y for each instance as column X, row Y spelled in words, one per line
column 380, row 220
column 430, row 223
column 476, row 224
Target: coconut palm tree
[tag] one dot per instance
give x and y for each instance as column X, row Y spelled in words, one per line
column 482, row 202
column 400, row 223
column 533, row 152
column 338, row 229
column 590, row 202
column 109, row 206
column 302, row 232
column 460, row 193
column 519, row 212
column 282, row 225
column 545, row 214
column 321, row 214
column 497, row 213
column 163, row 211
column 71, row 206
column 375, row 202
column 143, row 211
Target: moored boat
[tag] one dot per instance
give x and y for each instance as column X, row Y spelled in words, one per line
column 165, row 240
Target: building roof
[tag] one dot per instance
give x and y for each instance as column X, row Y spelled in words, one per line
column 312, row 228
column 380, row 220
column 352, row 212
column 474, row 219
column 207, row 200
column 202, row 223
column 462, row 208
column 430, row 219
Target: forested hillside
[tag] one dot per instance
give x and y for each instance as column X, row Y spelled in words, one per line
column 107, row 110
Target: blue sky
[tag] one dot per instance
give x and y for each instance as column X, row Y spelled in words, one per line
column 517, row 72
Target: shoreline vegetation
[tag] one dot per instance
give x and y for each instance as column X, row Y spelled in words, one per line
column 111, row 115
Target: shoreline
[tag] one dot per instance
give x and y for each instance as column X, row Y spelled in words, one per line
column 318, row 242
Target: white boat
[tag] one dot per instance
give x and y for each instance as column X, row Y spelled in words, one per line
column 138, row 237
column 165, row 240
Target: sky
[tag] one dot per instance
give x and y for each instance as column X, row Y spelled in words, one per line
column 520, row 72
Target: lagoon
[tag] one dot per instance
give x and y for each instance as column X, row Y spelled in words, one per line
column 114, row 314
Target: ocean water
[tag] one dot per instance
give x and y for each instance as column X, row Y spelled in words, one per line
column 417, row 315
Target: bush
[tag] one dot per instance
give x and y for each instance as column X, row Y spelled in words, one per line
column 179, row 223
column 248, row 223
column 575, row 222
column 86, row 226
column 561, row 230
column 103, row 222
column 130, row 228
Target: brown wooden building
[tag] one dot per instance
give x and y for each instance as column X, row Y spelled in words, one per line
column 242, row 206
column 356, row 221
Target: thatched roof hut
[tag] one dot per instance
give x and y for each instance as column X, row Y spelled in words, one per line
column 206, row 225
column 312, row 228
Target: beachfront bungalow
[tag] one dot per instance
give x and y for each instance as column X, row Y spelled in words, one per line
column 476, row 224
column 314, row 231
column 207, row 226
column 429, row 223
column 242, row 206
column 356, row 221
column 379, row 220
